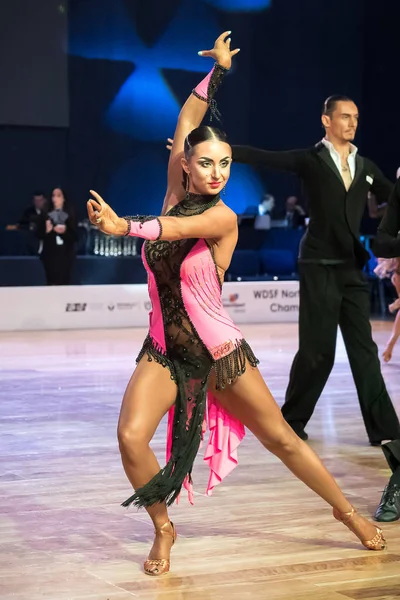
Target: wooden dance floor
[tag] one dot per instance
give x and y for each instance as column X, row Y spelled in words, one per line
column 262, row 535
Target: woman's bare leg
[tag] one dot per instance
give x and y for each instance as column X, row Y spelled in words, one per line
column 148, row 397
column 250, row 400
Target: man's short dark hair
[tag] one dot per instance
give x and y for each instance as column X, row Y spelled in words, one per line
column 38, row 193
column 331, row 102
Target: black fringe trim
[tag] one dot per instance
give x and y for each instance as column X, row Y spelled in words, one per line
column 213, row 85
column 166, row 485
column 199, row 97
column 161, row 230
column 232, row 366
column 156, row 353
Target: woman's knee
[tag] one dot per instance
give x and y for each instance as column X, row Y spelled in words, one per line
column 281, row 440
column 132, row 439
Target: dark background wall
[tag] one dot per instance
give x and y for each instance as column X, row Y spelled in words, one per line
column 131, row 64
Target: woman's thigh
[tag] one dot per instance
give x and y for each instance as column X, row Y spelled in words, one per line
column 250, row 401
column 149, row 395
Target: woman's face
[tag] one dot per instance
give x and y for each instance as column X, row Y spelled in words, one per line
column 208, row 167
column 58, row 199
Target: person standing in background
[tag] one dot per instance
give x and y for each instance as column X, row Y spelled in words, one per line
column 34, row 213
column 59, row 237
column 295, row 214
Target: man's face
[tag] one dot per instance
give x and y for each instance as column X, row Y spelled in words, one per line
column 291, row 203
column 343, row 123
column 39, row 202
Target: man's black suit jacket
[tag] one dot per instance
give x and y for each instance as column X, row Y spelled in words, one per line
column 335, row 214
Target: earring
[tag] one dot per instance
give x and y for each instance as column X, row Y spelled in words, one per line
column 187, row 184
column 224, row 190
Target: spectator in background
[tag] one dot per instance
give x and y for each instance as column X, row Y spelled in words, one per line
column 31, row 225
column 34, row 214
column 59, row 237
column 266, row 205
column 295, row 215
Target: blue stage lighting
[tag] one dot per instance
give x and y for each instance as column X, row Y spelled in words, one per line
column 144, row 108
column 240, row 5
column 244, row 188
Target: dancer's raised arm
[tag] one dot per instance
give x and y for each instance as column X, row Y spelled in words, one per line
column 195, row 108
column 216, row 223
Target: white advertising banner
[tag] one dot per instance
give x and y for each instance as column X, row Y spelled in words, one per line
column 109, row 306
column 262, row 301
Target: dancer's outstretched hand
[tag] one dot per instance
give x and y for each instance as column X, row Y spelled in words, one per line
column 103, row 216
column 222, row 52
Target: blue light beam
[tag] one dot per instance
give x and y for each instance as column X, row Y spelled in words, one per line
column 240, row 5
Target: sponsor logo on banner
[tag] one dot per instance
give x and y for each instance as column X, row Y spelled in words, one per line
column 284, row 300
column 272, row 294
column 265, row 294
column 127, row 305
column 246, row 302
column 75, row 307
column 233, row 301
column 122, row 306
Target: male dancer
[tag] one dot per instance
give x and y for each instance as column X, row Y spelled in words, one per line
column 333, row 290
column 387, row 245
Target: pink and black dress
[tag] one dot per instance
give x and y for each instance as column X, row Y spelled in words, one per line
column 191, row 334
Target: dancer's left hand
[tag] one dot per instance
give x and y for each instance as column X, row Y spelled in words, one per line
column 221, row 52
column 103, row 217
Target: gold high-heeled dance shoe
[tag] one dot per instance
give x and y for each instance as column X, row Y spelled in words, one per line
column 377, row 543
column 161, row 566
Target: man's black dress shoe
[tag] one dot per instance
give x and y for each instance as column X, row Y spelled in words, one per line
column 389, row 507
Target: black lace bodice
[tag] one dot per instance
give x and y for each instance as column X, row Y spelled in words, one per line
column 186, row 355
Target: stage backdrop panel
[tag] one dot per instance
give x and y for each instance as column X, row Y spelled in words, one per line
column 109, row 306
column 34, row 63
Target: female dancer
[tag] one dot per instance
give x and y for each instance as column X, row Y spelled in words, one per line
column 193, row 346
column 390, row 267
